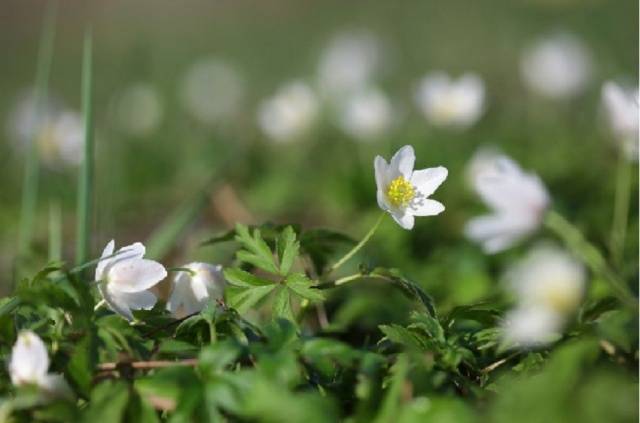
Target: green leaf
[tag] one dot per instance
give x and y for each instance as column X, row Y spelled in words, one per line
column 408, row 287
column 83, row 363
column 242, row 299
column 282, row 305
column 403, row 336
column 288, row 249
column 321, row 244
column 242, row 279
column 108, row 402
column 301, row 285
column 257, row 251
column 429, row 325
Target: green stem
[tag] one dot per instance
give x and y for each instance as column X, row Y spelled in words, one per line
column 85, row 186
column 590, row 255
column 357, row 248
column 32, row 170
column 620, row 210
column 55, row 232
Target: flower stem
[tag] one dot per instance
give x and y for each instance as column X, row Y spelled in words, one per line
column 590, row 255
column 357, row 248
column 620, row 210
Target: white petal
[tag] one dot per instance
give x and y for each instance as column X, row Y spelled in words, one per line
column 427, row 208
column 104, row 262
column 496, row 232
column 29, row 359
column 402, row 162
column 115, row 303
column 180, row 294
column 381, row 168
column 143, row 300
column 382, row 201
column 135, row 275
column 133, row 251
column 55, row 385
column 428, row 180
column 405, row 220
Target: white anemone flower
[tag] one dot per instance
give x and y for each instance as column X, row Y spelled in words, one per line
column 193, row 289
column 349, row 62
column 403, row 192
column 548, row 277
column 531, row 326
column 366, row 115
column 557, row 67
column 518, row 200
column 449, row 102
column 212, row 91
column 483, row 160
column 29, row 365
column 621, row 108
column 139, row 109
column 125, row 277
column 290, row 113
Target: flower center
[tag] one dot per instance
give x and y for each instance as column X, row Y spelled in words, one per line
column 400, row 192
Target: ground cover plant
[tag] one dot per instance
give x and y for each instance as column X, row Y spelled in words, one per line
column 378, row 240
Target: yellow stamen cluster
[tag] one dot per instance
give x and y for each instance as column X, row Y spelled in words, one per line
column 400, row 192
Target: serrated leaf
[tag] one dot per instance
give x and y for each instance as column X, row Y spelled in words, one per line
column 288, row 248
column 242, row 299
column 240, row 278
column 301, row 285
column 403, row 336
column 282, row 305
column 429, row 325
column 257, row 251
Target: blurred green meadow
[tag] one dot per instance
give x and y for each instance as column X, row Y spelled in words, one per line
column 166, row 177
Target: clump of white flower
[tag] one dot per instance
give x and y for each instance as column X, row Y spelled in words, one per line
column 366, row 114
column 200, row 284
column 557, row 66
column 349, row 63
column 125, row 277
column 57, row 132
column 290, row 113
column 29, row 365
column 139, row 110
column 212, row 91
column 549, row 285
column 403, row 192
column 621, row 106
column 449, row 102
column 518, row 201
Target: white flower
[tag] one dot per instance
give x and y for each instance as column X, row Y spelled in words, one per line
column 192, row 291
column 557, row 67
column 139, row 109
column 621, row 107
column 403, row 192
column 212, row 91
column 531, row 326
column 447, row 102
column 57, row 132
column 548, row 277
column 125, row 277
column 290, row 113
column 29, row 365
column 483, row 160
column 366, row 115
column 518, row 201
column 349, row 63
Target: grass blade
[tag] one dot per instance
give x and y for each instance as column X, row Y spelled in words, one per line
column 55, row 232
column 31, row 171
column 85, row 185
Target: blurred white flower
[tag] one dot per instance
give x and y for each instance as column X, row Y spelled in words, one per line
column 621, row 107
column 366, row 114
column 57, row 132
column 125, row 277
column 448, row 102
column 212, row 91
column 548, row 277
column 518, row 201
column 192, row 291
column 29, row 365
column 290, row 113
column 139, row 110
column 531, row 326
column 483, row 160
column 557, row 67
column 348, row 63
column 403, row 192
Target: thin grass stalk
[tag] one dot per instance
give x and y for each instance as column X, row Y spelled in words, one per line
column 86, row 183
column 32, row 165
